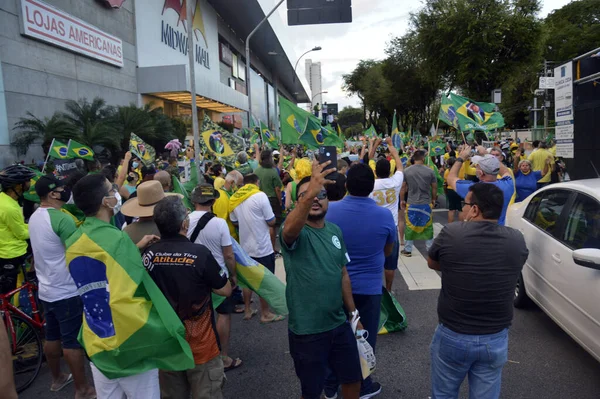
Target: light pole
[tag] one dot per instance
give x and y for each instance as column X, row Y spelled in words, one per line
column 321, row 92
column 317, row 48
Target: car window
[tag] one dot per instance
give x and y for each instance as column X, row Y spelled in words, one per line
column 583, row 224
column 545, row 208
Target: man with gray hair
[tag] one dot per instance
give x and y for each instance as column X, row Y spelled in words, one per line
column 165, row 179
column 245, row 168
column 488, row 168
column 187, row 274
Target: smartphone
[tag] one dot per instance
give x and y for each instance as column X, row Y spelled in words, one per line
column 329, row 153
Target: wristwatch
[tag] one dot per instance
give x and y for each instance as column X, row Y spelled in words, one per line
column 459, row 159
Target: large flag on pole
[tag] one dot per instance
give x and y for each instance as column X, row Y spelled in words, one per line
column 292, row 121
column 268, row 137
column 465, row 114
column 316, row 135
column 370, row 132
column 78, row 150
column 397, row 139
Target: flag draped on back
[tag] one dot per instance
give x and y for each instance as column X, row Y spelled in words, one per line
column 140, row 149
column 465, row 114
column 58, row 150
column 78, row 150
column 129, row 327
column 292, row 121
column 268, row 137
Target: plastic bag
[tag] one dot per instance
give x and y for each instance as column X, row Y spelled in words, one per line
column 365, row 350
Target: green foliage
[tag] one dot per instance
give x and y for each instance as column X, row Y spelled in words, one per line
column 350, row 116
column 355, row 130
column 573, row 30
column 31, row 129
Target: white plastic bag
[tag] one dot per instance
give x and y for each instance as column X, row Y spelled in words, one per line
column 365, row 351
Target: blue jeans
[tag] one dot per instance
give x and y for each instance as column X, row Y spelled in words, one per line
column 408, row 246
column 455, row 356
column 369, row 307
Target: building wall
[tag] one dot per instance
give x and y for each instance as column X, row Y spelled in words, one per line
column 39, row 77
column 313, row 75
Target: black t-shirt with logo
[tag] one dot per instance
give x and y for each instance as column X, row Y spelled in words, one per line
column 480, row 263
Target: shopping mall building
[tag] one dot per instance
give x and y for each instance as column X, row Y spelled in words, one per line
column 135, row 51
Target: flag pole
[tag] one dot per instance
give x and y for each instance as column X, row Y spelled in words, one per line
column 437, row 125
column 47, row 156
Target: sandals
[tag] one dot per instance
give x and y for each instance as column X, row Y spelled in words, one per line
column 235, row 363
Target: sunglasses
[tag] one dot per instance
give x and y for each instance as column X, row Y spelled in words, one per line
column 321, row 195
column 468, row 203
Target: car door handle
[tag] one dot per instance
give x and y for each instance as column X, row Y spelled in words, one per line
column 556, row 258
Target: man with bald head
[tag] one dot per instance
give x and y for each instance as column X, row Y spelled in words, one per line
column 165, row 180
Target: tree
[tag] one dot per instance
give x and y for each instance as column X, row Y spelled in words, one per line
column 31, row 129
column 572, row 30
column 350, row 116
column 354, row 82
column 477, row 46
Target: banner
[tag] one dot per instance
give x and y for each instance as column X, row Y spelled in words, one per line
column 64, row 168
column 465, row 114
column 140, row 149
column 215, row 142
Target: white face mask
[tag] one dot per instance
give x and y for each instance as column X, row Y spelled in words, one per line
column 71, row 201
column 117, row 208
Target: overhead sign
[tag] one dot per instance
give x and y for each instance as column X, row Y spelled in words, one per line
column 313, row 12
column 546, row 83
column 49, row 24
column 563, row 110
column 113, row 3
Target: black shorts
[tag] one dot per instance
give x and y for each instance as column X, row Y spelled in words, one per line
column 267, row 261
column 63, row 321
column 277, row 210
column 454, row 200
column 227, row 306
column 9, row 269
column 315, row 354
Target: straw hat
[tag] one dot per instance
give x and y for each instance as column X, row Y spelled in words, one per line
column 149, row 194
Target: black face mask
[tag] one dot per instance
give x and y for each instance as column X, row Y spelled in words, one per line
column 65, row 195
column 130, row 178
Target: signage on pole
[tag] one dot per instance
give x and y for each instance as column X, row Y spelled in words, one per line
column 546, row 83
column 49, row 24
column 563, row 110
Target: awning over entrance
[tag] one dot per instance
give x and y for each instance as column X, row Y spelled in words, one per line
column 185, row 97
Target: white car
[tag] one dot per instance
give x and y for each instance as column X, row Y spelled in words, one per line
column 561, row 226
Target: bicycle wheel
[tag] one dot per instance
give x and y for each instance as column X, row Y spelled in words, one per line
column 27, row 357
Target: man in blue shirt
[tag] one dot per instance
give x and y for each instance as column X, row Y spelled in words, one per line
column 370, row 234
column 488, row 167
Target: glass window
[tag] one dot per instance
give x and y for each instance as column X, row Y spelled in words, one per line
column 583, row 224
column 545, row 208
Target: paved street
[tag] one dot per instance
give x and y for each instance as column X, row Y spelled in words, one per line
column 544, row 362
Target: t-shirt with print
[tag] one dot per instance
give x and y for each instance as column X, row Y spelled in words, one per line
column 313, row 266
column 386, row 193
column 419, row 179
column 186, row 273
column 214, row 236
column 480, row 263
column 505, row 184
column 269, row 180
column 49, row 228
column 252, row 216
column 245, row 169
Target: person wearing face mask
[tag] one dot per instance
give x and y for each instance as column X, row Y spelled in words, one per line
column 15, row 181
column 488, row 168
column 475, row 304
column 49, row 230
column 130, row 329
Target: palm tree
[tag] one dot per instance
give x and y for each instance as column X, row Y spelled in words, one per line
column 82, row 114
column 31, row 129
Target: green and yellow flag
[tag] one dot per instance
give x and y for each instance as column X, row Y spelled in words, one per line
column 130, row 327
column 370, row 132
column 31, row 195
column 58, row 150
column 438, row 176
column 437, row 148
column 397, row 139
column 292, row 121
column 140, row 149
column 465, row 114
column 339, row 131
column 268, row 137
column 316, row 135
column 78, row 150
column 216, row 143
column 391, row 315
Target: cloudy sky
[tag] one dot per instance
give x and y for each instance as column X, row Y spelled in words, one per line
column 374, row 23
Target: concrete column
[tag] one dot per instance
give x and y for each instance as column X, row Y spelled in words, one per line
column 276, row 91
column 4, row 132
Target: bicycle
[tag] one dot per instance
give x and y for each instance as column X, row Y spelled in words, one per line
column 24, row 333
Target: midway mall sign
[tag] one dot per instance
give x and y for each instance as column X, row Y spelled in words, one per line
column 49, row 24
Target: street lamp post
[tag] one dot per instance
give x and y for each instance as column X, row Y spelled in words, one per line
column 317, row 48
column 313, row 99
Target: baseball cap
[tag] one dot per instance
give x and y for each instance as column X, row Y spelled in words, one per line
column 46, row 184
column 275, row 152
column 488, row 164
column 204, row 193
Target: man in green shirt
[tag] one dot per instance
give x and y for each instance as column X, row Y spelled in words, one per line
column 318, row 289
column 270, row 184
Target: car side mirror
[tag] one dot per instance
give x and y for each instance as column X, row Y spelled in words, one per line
column 587, row 257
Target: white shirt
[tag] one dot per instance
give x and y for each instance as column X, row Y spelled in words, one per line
column 387, row 193
column 46, row 227
column 252, row 216
column 215, row 235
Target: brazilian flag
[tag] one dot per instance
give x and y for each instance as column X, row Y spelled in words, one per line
column 292, row 121
column 59, row 150
column 465, row 114
column 371, row 132
column 437, row 148
column 129, row 327
column 268, row 137
column 256, row 277
column 78, row 150
column 391, row 315
column 316, row 135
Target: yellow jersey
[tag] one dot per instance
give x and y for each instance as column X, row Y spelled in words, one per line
column 13, row 229
column 538, row 161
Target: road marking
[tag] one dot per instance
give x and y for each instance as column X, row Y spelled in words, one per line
column 416, row 273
